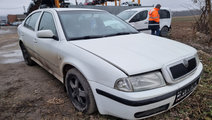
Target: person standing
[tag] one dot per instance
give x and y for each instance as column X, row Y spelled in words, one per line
column 154, row 20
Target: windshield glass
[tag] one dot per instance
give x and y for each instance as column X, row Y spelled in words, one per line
column 125, row 15
column 92, row 24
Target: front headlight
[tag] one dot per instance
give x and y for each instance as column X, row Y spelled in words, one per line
column 141, row 82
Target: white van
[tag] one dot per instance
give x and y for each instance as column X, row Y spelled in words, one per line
column 139, row 18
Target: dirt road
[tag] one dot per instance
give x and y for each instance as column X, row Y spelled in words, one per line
column 29, row 92
column 32, row 93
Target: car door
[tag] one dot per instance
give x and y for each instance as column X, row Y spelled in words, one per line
column 47, row 48
column 140, row 21
column 28, row 33
column 165, row 18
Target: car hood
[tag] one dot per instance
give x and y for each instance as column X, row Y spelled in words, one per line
column 136, row 53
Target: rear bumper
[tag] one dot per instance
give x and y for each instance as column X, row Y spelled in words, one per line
column 143, row 104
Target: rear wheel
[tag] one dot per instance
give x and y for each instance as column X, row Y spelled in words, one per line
column 164, row 31
column 26, row 55
column 79, row 92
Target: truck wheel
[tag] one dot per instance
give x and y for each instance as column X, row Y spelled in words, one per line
column 26, row 56
column 164, row 32
column 79, row 92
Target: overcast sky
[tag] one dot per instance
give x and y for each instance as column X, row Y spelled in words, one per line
column 18, row 6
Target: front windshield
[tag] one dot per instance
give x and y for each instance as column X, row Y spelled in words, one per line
column 92, row 24
column 125, row 15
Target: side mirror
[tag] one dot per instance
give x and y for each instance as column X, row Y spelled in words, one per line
column 46, row 34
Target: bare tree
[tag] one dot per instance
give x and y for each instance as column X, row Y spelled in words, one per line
column 208, row 5
column 204, row 23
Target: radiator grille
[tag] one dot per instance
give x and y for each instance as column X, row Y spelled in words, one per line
column 181, row 69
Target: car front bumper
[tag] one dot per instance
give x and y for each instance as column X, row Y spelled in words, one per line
column 137, row 105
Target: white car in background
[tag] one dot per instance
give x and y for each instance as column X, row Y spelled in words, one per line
column 139, row 18
column 16, row 23
column 106, row 64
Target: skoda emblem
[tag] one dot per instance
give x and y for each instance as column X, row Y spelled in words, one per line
column 185, row 63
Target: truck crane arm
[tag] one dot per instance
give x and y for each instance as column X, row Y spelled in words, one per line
column 36, row 4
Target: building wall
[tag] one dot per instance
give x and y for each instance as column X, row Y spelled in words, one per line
column 14, row 18
column 11, row 18
column 20, row 17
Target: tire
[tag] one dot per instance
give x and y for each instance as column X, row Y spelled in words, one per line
column 26, row 55
column 164, row 31
column 79, row 92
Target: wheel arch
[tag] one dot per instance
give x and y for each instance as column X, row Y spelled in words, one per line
column 68, row 66
column 65, row 69
column 165, row 26
column 20, row 43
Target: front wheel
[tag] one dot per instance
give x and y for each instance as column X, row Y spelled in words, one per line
column 79, row 92
column 164, row 32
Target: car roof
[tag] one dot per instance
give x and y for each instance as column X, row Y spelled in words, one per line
column 139, row 9
column 145, row 8
column 68, row 9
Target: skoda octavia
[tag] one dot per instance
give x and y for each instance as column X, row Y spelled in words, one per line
column 106, row 64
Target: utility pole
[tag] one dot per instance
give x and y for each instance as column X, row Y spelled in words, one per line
column 76, row 2
column 24, row 9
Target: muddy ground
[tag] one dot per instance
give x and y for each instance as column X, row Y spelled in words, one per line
column 32, row 93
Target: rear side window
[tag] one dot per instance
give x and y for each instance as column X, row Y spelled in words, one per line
column 47, row 23
column 32, row 20
column 164, row 14
column 125, row 15
column 140, row 16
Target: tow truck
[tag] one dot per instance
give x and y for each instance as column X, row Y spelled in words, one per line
column 36, row 4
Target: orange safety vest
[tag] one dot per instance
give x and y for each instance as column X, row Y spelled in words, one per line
column 154, row 15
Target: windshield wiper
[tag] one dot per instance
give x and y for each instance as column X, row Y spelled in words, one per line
column 121, row 33
column 86, row 37
column 100, row 36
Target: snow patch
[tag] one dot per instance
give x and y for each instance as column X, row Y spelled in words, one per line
column 11, row 56
column 10, row 45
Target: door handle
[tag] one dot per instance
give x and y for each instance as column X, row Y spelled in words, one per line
column 35, row 40
column 145, row 22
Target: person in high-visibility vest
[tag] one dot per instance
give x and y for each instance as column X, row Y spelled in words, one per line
column 154, row 20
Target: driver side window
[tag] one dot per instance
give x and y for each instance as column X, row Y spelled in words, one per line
column 47, row 23
column 140, row 16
